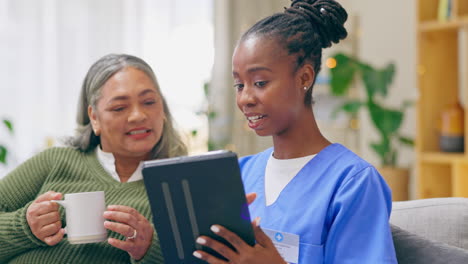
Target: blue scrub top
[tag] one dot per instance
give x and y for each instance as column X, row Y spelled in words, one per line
column 338, row 204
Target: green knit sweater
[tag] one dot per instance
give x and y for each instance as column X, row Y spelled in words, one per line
column 64, row 170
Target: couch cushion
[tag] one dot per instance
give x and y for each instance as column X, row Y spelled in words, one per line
column 439, row 219
column 413, row 249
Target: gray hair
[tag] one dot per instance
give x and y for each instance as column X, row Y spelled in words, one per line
column 170, row 144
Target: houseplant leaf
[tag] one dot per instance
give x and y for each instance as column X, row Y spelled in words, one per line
column 387, row 121
column 8, row 124
column 377, row 81
column 351, row 107
column 406, row 140
column 342, row 75
column 3, row 154
column 381, row 148
column 387, row 155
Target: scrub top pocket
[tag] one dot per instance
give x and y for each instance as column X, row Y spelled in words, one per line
column 309, row 252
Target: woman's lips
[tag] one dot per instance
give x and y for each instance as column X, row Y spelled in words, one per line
column 139, row 133
column 255, row 120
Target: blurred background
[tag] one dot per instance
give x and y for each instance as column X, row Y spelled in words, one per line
column 47, row 46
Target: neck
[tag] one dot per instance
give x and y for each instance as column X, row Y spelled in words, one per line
column 125, row 167
column 303, row 140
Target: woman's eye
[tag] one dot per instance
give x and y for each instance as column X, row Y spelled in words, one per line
column 118, row 109
column 238, row 86
column 151, row 102
column 261, row 83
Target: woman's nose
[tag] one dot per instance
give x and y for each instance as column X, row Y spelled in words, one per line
column 136, row 115
column 246, row 97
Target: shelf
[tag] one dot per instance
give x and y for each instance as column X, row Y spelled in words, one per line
column 441, row 61
column 441, row 157
column 431, row 26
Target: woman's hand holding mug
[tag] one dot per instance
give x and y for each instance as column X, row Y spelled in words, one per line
column 131, row 224
column 84, row 214
column 43, row 218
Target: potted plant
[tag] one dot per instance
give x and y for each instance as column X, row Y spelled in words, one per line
column 386, row 120
column 3, row 150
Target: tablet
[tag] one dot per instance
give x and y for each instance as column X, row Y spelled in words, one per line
column 189, row 194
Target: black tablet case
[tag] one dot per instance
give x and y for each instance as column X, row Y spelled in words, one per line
column 189, row 194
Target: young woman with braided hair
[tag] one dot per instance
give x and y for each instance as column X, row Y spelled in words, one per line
column 334, row 203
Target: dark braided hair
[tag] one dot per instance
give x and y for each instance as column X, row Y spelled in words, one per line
column 305, row 28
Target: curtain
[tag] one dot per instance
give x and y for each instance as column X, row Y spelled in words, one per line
column 47, row 46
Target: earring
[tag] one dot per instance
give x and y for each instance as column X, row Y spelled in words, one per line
column 305, row 88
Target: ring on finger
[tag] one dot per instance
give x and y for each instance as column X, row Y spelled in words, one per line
column 134, row 235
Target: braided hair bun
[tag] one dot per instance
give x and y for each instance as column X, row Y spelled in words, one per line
column 326, row 16
column 303, row 30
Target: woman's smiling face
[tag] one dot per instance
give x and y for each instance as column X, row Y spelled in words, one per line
column 129, row 115
column 269, row 89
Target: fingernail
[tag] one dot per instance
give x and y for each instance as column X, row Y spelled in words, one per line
column 107, row 213
column 257, row 221
column 197, row 255
column 214, row 228
column 201, row 241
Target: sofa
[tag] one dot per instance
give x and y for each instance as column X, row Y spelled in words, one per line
column 430, row 231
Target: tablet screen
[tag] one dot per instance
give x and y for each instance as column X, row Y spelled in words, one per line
column 189, row 194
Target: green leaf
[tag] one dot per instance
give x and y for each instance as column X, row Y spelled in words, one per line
column 3, row 154
column 206, row 89
column 8, row 124
column 387, row 121
column 381, row 149
column 406, row 141
column 342, row 75
column 211, row 115
column 212, row 145
column 377, row 81
column 194, row 133
column 351, row 107
column 387, row 155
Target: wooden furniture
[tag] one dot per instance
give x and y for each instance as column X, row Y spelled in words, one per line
column 441, row 68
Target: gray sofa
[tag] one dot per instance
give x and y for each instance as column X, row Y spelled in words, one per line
column 431, row 231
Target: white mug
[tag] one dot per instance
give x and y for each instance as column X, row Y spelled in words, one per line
column 85, row 220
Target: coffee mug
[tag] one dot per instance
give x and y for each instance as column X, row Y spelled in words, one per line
column 85, row 220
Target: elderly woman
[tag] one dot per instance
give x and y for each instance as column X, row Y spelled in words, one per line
column 123, row 120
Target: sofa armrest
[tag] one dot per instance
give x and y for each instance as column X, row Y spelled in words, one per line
column 443, row 220
column 414, row 249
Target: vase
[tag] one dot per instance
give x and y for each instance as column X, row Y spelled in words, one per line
column 398, row 180
column 452, row 126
